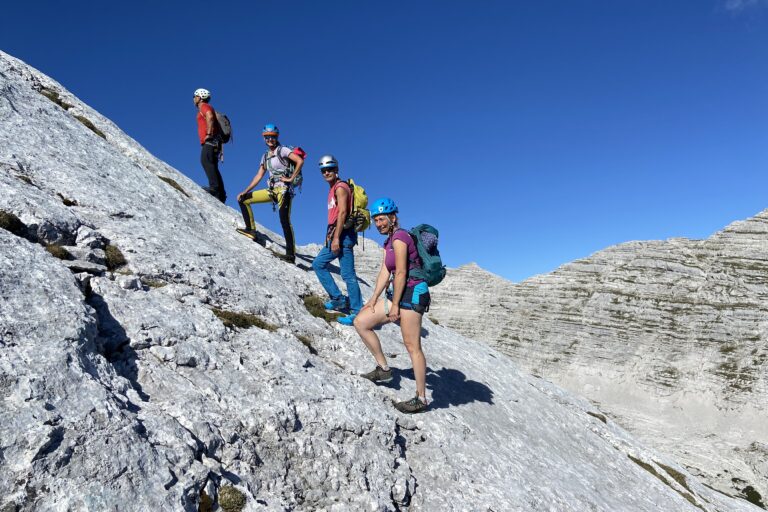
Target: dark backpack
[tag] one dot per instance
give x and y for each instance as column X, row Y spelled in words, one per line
column 432, row 269
column 225, row 132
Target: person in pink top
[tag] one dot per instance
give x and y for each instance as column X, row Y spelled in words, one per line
column 340, row 241
column 406, row 301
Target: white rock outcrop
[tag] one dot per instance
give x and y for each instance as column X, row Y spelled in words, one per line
column 668, row 337
column 122, row 389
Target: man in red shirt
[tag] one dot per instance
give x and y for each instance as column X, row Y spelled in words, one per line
column 210, row 142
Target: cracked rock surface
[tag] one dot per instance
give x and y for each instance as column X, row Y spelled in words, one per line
column 124, row 390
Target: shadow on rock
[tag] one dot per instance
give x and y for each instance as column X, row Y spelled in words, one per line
column 448, row 387
column 115, row 345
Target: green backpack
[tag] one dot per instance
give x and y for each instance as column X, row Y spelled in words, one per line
column 432, row 269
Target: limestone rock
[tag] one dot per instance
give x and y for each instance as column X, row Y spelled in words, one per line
column 668, row 337
column 126, row 397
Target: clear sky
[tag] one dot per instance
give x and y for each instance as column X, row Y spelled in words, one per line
column 530, row 133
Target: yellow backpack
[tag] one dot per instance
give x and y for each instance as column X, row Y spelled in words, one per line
column 359, row 217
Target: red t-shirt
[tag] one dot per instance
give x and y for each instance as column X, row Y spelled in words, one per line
column 333, row 208
column 202, row 124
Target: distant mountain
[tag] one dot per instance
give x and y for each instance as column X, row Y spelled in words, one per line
column 670, row 338
column 153, row 359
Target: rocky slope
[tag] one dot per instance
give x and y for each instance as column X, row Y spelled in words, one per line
column 669, row 337
column 121, row 387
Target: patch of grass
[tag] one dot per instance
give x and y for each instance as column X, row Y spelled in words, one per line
column 233, row 319
column 58, row 251
column 231, row 499
column 599, row 416
column 307, row 341
column 10, row 222
column 153, row 283
column 54, row 97
column 88, row 124
column 206, row 503
column 113, row 257
column 649, row 468
column 174, row 184
column 314, row 305
column 434, row 321
column 676, row 475
column 67, row 202
column 753, row 496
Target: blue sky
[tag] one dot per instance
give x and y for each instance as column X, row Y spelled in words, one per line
column 531, row 133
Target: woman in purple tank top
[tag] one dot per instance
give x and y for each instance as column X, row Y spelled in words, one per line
column 406, row 301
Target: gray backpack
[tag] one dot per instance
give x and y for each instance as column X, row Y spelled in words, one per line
column 225, row 133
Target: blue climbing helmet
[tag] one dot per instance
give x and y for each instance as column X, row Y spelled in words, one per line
column 271, row 130
column 383, row 206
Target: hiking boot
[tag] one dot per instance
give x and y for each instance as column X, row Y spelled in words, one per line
column 250, row 233
column 378, row 375
column 347, row 320
column 341, row 304
column 290, row 258
column 412, row 406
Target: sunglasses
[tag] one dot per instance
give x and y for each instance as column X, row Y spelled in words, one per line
column 328, row 170
column 270, row 137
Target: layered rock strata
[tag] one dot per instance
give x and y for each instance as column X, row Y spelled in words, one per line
column 669, row 337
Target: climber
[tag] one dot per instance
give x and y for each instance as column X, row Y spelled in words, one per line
column 339, row 243
column 284, row 165
column 208, row 130
column 406, row 301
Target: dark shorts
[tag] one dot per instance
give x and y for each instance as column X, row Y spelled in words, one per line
column 415, row 298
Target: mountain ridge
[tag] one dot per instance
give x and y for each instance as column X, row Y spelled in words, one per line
column 122, row 388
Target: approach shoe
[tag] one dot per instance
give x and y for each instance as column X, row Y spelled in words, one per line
column 341, row 304
column 250, row 233
column 378, row 375
column 347, row 320
column 411, row 406
column 290, row 258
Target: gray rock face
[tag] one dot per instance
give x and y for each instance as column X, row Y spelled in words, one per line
column 668, row 337
column 126, row 391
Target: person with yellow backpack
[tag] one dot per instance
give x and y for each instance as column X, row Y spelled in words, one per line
column 346, row 216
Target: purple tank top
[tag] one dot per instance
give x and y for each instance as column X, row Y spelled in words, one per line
column 413, row 254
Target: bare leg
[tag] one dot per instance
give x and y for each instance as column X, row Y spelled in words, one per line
column 365, row 321
column 410, row 326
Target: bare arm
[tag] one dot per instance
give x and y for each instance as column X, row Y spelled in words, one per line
column 296, row 159
column 382, row 280
column 255, row 181
column 342, row 198
column 401, row 271
column 209, row 118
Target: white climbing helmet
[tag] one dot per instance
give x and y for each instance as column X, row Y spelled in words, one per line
column 203, row 94
column 328, row 162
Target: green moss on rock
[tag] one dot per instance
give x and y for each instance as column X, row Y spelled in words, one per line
column 174, row 184
column 58, row 251
column 54, row 97
column 88, row 124
column 233, row 319
column 206, row 503
column 67, row 201
column 307, row 341
column 231, row 499
column 113, row 257
column 10, row 222
column 314, row 305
